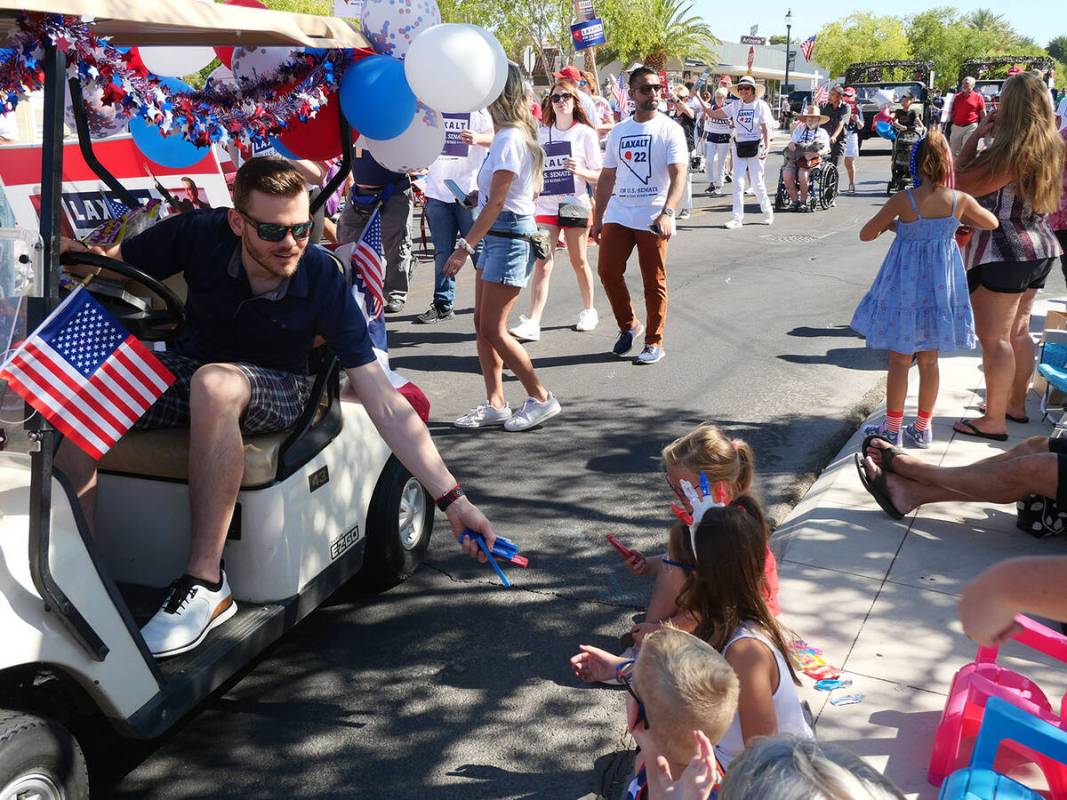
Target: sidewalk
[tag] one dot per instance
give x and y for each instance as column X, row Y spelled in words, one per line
column 879, row 596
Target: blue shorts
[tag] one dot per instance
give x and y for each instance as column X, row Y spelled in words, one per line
column 508, row 261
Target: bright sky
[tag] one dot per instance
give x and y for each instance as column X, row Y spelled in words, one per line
column 730, row 20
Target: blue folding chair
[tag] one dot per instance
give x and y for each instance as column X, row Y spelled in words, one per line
column 1052, row 366
column 1003, row 722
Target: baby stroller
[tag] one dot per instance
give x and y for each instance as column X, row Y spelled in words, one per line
column 822, row 186
column 902, row 148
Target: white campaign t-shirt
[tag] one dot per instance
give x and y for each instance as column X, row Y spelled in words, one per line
column 640, row 153
column 509, row 152
column 579, row 142
column 458, row 162
column 747, row 118
column 714, row 125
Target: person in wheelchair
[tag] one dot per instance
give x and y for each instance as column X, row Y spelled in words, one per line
column 808, row 142
column 257, row 298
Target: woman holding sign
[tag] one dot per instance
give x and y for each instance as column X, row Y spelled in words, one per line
column 572, row 167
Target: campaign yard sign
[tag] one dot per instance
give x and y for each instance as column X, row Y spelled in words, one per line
column 589, row 33
column 558, row 179
column 454, row 125
column 83, row 195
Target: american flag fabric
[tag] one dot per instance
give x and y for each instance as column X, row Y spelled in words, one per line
column 115, row 208
column 368, row 261
column 822, row 94
column 807, row 46
column 619, row 93
column 86, row 374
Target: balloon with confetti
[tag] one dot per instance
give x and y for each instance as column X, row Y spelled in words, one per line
column 392, row 25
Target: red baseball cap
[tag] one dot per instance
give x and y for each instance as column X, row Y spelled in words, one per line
column 569, row 73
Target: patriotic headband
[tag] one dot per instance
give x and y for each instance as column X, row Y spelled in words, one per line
column 700, row 502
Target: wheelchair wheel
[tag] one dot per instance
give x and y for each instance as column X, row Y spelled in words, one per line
column 828, row 186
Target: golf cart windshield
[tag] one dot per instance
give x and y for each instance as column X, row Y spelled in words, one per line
column 988, row 89
column 866, row 94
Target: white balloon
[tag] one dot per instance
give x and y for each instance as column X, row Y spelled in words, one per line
column 255, row 64
column 416, row 148
column 392, row 25
column 174, row 62
column 103, row 121
column 455, row 67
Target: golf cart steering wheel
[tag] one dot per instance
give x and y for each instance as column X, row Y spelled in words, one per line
column 154, row 325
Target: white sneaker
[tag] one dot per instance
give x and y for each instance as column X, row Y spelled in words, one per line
column 650, row 355
column 768, row 218
column 484, row 416
column 533, row 413
column 189, row 612
column 588, row 319
column 718, row 192
column 733, row 224
column 750, row 191
column 527, row 330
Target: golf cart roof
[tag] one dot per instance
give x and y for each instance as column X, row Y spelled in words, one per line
column 978, row 67
column 168, row 22
column 875, row 71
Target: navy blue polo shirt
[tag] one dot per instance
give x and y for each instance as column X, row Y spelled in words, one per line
column 225, row 322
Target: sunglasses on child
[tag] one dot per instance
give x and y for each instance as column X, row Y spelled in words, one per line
column 562, row 98
column 624, row 672
column 275, row 232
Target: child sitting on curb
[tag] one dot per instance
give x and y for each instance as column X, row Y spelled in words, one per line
column 678, row 686
column 725, row 462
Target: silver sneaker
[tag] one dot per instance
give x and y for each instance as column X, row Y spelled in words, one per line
column 484, row 416
column 650, row 355
column 916, row 439
column 882, row 429
column 533, row 413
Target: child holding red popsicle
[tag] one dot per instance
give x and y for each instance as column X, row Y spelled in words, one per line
column 726, row 464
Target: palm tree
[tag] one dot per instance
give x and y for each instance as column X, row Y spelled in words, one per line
column 984, row 20
column 675, row 32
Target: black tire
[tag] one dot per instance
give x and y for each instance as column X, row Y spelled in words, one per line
column 393, row 550
column 40, row 755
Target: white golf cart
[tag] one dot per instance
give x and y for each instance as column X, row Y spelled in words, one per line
column 319, row 503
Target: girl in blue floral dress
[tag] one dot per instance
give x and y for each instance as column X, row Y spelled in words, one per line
column 919, row 303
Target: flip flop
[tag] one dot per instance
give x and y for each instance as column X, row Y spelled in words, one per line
column 888, row 453
column 1021, row 420
column 973, row 431
column 877, row 489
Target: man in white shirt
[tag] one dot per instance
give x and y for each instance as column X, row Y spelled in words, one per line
column 466, row 137
column 645, row 163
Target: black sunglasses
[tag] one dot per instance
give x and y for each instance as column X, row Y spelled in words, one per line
column 624, row 672
column 275, row 232
column 559, row 98
column 649, row 88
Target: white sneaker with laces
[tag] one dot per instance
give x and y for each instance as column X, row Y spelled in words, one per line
column 768, row 218
column 650, row 355
column 527, row 330
column 190, row 611
column 733, row 224
column 485, row 415
column 588, row 319
column 533, row 413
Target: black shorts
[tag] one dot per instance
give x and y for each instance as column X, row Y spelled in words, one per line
column 1010, row 277
column 277, row 399
column 1059, row 447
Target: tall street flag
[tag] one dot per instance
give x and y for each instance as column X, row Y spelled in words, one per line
column 86, row 374
column 368, row 260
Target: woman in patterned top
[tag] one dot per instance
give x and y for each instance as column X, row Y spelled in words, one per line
column 1019, row 179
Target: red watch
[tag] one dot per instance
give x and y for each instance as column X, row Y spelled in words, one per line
column 449, row 497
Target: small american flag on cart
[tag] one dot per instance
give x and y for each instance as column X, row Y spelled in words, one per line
column 368, row 259
column 86, row 374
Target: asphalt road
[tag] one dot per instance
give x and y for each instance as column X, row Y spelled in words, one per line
column 452, row 687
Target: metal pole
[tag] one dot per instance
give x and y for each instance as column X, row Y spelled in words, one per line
column 788, row 40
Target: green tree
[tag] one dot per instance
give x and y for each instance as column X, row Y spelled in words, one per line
column 985, row 20
column 861, row 36
column 652, row 31
column 1057, row 48
column 778, row 39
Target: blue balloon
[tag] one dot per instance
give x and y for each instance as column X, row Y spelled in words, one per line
column 171, row 151
column 376, row 99
column 282, row 150
column 885, row 130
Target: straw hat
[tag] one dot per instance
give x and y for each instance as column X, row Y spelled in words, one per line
column 748, row 80
column 813, row 111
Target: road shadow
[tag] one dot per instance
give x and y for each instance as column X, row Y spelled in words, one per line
column 808, row 332
column 860, row 358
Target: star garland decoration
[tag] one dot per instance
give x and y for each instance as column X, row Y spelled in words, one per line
column 245, row 114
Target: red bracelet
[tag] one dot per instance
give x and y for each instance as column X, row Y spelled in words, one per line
column 449, row 497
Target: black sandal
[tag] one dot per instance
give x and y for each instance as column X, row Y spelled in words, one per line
column 888, row 453
column 877, row 489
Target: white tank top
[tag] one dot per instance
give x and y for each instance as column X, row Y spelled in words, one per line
column 786, row 704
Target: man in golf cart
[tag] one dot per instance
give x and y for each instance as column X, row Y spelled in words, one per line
column 257, row 298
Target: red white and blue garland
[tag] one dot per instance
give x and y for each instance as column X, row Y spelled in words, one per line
column 245, row 114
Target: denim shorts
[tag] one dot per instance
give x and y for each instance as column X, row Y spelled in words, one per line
column 508, row 261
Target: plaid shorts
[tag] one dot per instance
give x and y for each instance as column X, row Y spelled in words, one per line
column 277, row 399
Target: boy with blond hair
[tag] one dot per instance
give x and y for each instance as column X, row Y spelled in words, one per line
column 678, row 685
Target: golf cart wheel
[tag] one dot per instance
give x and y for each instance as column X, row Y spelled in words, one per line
column 39, row 759
column 399, row 524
